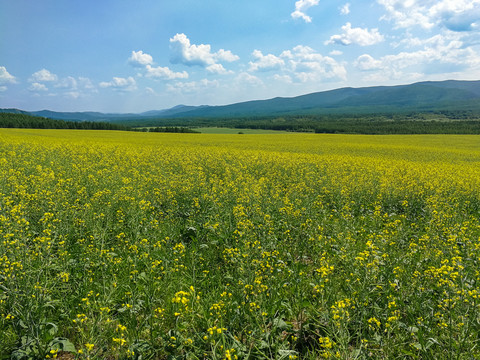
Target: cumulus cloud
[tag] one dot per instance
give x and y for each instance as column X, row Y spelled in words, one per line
column 301, row 6
column 120, row 84
column 150, row 91
column 226, row 55
column 6, row 77
column 308, row 65
column 75, row 88
column 68, row 86
column 192, row 86
column 85, row 83
column 359, row 36
column 248, row 79
column 183, row 52
column 392, row 74
column 265, row 62
column 438, row 48
column 37, row 87
column 43, row 76
column 406, row 13
column 283, row 78
column 67, row 83
column 335, row 53
column 345, row 9
column 365, row 62
column 301, row 63
column 73, row 94
column 164, row 73
column 440, row 54
column 455, row 15
column 218, row 69
column 139, row 58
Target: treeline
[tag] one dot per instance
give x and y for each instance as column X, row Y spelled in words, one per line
column 172, row 129
column 445, row 122
column 23, row 121
column 441, row 122
column 402, row 127
column 435, row 122
column 362, row 126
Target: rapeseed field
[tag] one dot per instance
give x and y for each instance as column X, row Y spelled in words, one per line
column 193, row 246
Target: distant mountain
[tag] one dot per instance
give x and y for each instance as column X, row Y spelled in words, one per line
column 81, row 116
column 14, row 111
column 421, row 96
column 172, row 111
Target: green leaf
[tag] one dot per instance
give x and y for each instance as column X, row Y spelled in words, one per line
column 412, row 329
column 285, row 354
column 52, row 328
column 22, row 324
column 264, row 345
column 63, row 344
column 279, row 323
column 418, row 346
column 19, row 355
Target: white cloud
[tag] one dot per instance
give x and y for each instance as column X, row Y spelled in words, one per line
column 218, row 69
column 120, row 84
column 265, row 62
column 192, row 86
column 86, row 83
column 365, row 62
column 345, row 9
column 139, row 58
column 436, row 41
column 73, row 94
column 407, row 13
column 37, row 87
column 70, row 87
column 150, row 91
column 226, row 55
column 455, row 15
column 3, row 88
column 67, row 83
column 359, row 36
column 43, row 76
column 249, row 79
column 6, row 77
column 335, row 53
column 301, row 6
column 308, row 65
column 301, row 63
column 164, row 73
column 183, row 52
column 440, row 54
column 438, row 48
column 283, row 78
column 392, row 74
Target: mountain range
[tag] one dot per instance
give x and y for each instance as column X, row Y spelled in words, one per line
column 422, row 96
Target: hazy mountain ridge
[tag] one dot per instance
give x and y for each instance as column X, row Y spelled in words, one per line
column 421, row 96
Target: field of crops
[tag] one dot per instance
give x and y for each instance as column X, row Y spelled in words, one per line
column 194, row 246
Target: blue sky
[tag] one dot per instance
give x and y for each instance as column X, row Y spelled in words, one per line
column 134, row 56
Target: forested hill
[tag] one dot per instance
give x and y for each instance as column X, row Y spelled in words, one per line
column 419, row 97
column 22, row 120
